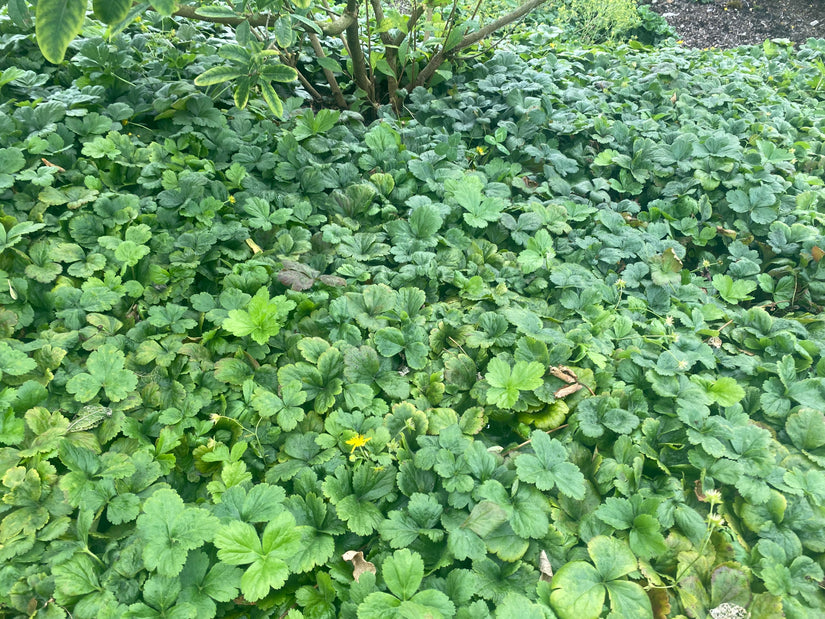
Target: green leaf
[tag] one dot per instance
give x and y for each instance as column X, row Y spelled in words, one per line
column 217, row 75
column 261, row 504
column 267, row 572
column 104, row 370
column 505, row 383
column 13, row 362
column 726, row 391
column 238, row 544
column 11, row 160
column 666, row 269
column 75, row 577
column 57, row 22
column 465, row 544
column 612, row 557
column 111, row 11
column 12, row 429
column 262, row 318
column 733, row 291
column 281, row 537
column 125, row 507
column 549, row 468
column 466, row 191
column 378, row 605
column 402, row 528
column 646, row 539
column 806, row 429
column 809, row 392
column 403, row 572
column 578, row 592
column 215, row 11
column 278, row 72
column 169, row 530
column 164, row 7
column 627, row 599
column 276, row 106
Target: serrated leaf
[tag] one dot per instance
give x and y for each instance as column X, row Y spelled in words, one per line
column 403, row 572
column 725, row 391
column 169, row 530
column 733, row 291
column 261, row 319
column 104, row 370
column 549, row 468
column 578, row 592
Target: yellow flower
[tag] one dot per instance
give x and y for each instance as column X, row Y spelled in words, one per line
column 359, row 440
column 231, row 199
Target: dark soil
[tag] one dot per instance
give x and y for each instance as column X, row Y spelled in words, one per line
column 729, row 23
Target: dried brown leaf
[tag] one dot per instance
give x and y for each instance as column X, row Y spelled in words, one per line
column 562, row 372
column 359, row 563
column 48, row 163
column 568, row 390
column 545, row 568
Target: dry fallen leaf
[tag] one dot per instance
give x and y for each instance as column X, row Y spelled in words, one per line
column 48, row 163
column 697, row 489
column 562, row 372
column 359, row 564
column 566, row 391
column 545, row 568
column 726, row 232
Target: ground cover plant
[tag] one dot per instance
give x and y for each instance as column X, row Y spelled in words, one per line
column 547, row 345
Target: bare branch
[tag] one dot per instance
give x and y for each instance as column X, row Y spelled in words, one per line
column 333, row 83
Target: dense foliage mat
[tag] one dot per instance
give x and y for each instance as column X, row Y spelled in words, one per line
column 550, row 346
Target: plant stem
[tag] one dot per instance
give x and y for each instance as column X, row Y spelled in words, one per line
column 438, row 59
column 333, row 83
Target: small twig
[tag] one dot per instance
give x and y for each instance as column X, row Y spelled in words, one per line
column 449, row 337
column 333, row 83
